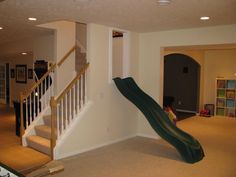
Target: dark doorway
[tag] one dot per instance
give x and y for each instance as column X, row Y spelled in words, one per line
column 7, row 84
column 182, row 82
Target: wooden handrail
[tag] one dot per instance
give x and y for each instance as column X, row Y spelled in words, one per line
column 66, row 56
column 28, row 92
column 72, row 82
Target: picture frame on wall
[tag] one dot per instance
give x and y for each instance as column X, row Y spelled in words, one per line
column 21, row 73
column 30, row 73
column 12, row 73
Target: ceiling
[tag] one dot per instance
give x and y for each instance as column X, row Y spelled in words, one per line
column 134, row 15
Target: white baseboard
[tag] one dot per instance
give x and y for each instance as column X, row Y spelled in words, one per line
column 61, row 156
column 148, row 136
column 187, row 111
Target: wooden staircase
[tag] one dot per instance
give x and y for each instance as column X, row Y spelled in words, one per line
column 64, row 107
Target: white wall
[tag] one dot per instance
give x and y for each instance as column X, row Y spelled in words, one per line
column 218, row 63
column 111, row 117
column 81, row 34
column 42, row 47
column 65, row 39
column 151, row 58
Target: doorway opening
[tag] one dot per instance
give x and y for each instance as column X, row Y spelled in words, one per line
column 182, row 84
column 5, row 83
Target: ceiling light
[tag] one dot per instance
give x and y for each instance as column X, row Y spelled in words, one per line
column 1, row 27
column 235, row 74
column 24, row 53
column 163, row 2
column 32, row 19
column 204, row 18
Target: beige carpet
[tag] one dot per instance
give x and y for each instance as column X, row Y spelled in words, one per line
column 11, row 152
column 143, row 157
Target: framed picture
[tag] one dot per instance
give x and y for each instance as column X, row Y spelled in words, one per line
column 21, row 72
column 12, row 73
column 30, row 73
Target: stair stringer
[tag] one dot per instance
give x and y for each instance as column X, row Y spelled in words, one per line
column 61, row 141
column 38, row 121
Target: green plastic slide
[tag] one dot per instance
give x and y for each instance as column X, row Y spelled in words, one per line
column 188, row 147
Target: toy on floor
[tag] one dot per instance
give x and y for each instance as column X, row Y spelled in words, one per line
column 205, row 113
column 170, row 114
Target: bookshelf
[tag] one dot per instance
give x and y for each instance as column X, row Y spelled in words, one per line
column 225, row 97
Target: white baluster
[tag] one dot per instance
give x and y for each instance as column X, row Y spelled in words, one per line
column 52, row 86
column 49, row 87
column 80, row 93
column 66, row 111
column 41, row 95
column 30, row 107
column 70, row 112
column 73, row 98
column 37, row 98
column 26, row 113
column 34, row 105
column 57, row 120
column 62, row 116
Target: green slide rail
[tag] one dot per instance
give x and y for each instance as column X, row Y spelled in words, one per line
column 188, row 147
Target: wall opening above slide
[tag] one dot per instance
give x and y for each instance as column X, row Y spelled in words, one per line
column 119, row 54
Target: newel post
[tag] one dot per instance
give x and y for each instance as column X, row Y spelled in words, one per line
column 53, row 105
column 22, row 128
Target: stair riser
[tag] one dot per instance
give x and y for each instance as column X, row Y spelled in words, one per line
column 43, row 134
column 39, row 147
column 47, row 121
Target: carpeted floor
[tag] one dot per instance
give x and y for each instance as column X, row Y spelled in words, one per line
column 144, row 157
column 11, row 152
column 136, row 157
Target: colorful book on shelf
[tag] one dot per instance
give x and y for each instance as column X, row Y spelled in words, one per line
column 221, row 84
column 230, row 112
column 221, row 93
column 220, row 102
column 231, row 84
column 220, row 111
column 230, row 103
column 230, row 94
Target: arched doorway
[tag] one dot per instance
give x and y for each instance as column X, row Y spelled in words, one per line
column 182, row 82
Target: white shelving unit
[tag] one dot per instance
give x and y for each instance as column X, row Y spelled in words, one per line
column 225, row 97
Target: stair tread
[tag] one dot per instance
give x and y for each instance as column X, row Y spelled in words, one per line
column 44, row 128
column 39, row 140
